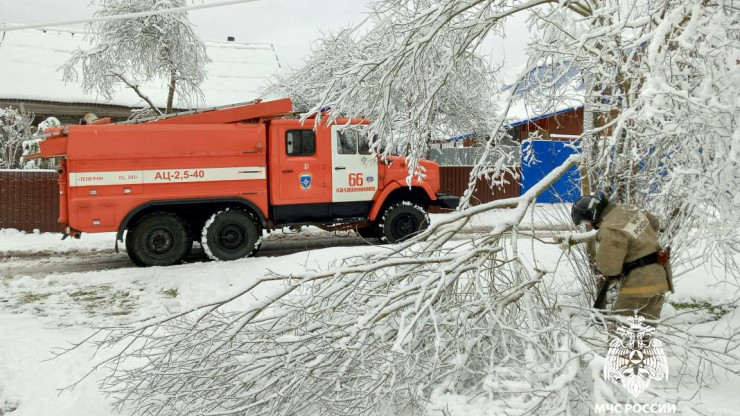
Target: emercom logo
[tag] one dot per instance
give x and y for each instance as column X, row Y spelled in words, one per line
column 635, row 357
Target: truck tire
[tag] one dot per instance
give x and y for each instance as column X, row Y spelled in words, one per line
column 401, row 221
column 230, row 235
column 159, row 239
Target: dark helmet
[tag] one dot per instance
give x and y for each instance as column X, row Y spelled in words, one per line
column 588, row 208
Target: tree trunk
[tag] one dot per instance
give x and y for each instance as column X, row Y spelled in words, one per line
column 171, row 92
column 589, row 146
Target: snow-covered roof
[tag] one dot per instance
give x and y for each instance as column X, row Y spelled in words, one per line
column 548, row 89
column 30, row 60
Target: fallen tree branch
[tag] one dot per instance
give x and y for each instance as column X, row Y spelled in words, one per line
column 567, row 240
column 369, row 332
column 381, row 332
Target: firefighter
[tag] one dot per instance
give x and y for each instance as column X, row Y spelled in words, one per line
column 629, row 253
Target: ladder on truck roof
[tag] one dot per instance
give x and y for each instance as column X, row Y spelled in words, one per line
column 231, row 113
column 234, row 113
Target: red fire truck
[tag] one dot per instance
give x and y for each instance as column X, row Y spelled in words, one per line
column 223, row 176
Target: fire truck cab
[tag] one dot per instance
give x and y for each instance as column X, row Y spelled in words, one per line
column 222, row 177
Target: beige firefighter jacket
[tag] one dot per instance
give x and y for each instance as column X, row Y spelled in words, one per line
column 625, row 234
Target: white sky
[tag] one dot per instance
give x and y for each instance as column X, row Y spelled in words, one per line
column 290, row 25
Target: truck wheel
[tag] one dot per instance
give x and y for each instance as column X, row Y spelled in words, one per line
column 230, row 235
column 159, row 239
column 401, row 221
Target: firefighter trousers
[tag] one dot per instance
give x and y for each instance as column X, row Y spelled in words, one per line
column 648, row 307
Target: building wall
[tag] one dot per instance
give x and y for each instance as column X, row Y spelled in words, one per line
column 66, row 113
column 559, row 127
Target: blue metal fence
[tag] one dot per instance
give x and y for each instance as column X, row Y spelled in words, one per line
column 548, row 155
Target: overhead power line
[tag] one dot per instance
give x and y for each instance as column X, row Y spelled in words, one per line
column 126, row 16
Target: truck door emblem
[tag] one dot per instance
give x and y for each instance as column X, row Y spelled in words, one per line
column 369, row 179
column 305, row 180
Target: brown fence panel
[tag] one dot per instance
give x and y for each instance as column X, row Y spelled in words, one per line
column 455, row 180
column 29, row 199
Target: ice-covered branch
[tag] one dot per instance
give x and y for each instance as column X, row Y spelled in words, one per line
column 569, row 239
column 137, row 90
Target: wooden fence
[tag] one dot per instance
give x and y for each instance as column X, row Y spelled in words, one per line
column 29, row 200
column 455, row 180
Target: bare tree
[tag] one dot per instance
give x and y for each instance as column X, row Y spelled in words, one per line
column 129, row 52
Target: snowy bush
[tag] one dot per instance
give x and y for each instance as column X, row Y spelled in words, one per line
column 32, row 146
column 48, row 122
column 15, row 128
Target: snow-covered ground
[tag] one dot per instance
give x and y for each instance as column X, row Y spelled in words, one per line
column 46, row 304
column 41, row 314
column 19, row 241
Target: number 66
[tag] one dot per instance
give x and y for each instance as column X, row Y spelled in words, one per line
column 355, row 179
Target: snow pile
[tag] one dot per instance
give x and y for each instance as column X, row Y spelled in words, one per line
column 14, row 242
